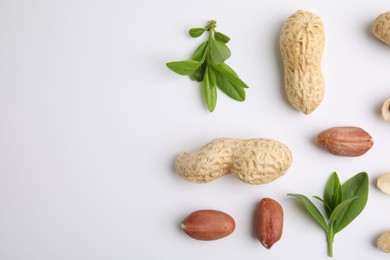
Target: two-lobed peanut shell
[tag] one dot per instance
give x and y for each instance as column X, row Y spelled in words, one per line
column 269, row 222
column 345, row 141
column 253, row 161
column 208, row 224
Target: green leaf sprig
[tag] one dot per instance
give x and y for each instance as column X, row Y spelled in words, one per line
column 343, row 203
column 207, row 65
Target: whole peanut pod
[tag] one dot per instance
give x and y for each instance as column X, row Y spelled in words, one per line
column 253, row 161
column 302, row 42
column 269, row 222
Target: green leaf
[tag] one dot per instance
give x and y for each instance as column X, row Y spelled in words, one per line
column 312, row 209
column 196, row 32
column 333, row 193
column 357, row 186
column 200, row 52
column 219, row 52
column 184, row 67
column 326, row 205
column 318, row 198
column 339, row 210
column 207, row 66
column 199, row 55
column 233, row 91
column 230, row 75
column 212, row 77
column 198, row 74
column 210, row 89
column 221, row 37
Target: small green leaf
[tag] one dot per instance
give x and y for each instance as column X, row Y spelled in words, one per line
column 210, row 89
column 318, row 198
column 199, row 55
column 312, row 209
column 198, row 75
column 212, row 76
column 196, row 32
column 219, row 52
column 233, row 91
column 339, row 210
column 357, row 186
column 333, row 193
column 200, row 52
column 221, row 37
column 326, row 205
column 230, row 75
column 184, row 67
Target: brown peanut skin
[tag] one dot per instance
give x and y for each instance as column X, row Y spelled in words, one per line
column 345, row 141
column 208, row 224
column 269, row 222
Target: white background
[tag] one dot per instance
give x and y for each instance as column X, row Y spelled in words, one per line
column 91, row 122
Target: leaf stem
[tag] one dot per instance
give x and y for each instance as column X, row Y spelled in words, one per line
column 211, row 25
column 330, row 240
column 210, row 28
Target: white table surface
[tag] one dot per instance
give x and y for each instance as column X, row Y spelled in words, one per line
column 91, row 122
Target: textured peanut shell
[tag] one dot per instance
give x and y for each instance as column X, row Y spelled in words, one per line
column 269, row 222
column 383, row 242
column 381, row 27
column 302, row 42
column 253, row 161
column 208, row 224
column 345, row 141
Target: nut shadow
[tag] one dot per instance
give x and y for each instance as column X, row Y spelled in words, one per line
column 374, row 239
column 279, row 64
column 173, row 163
column 378, row 109
column 253, row 221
